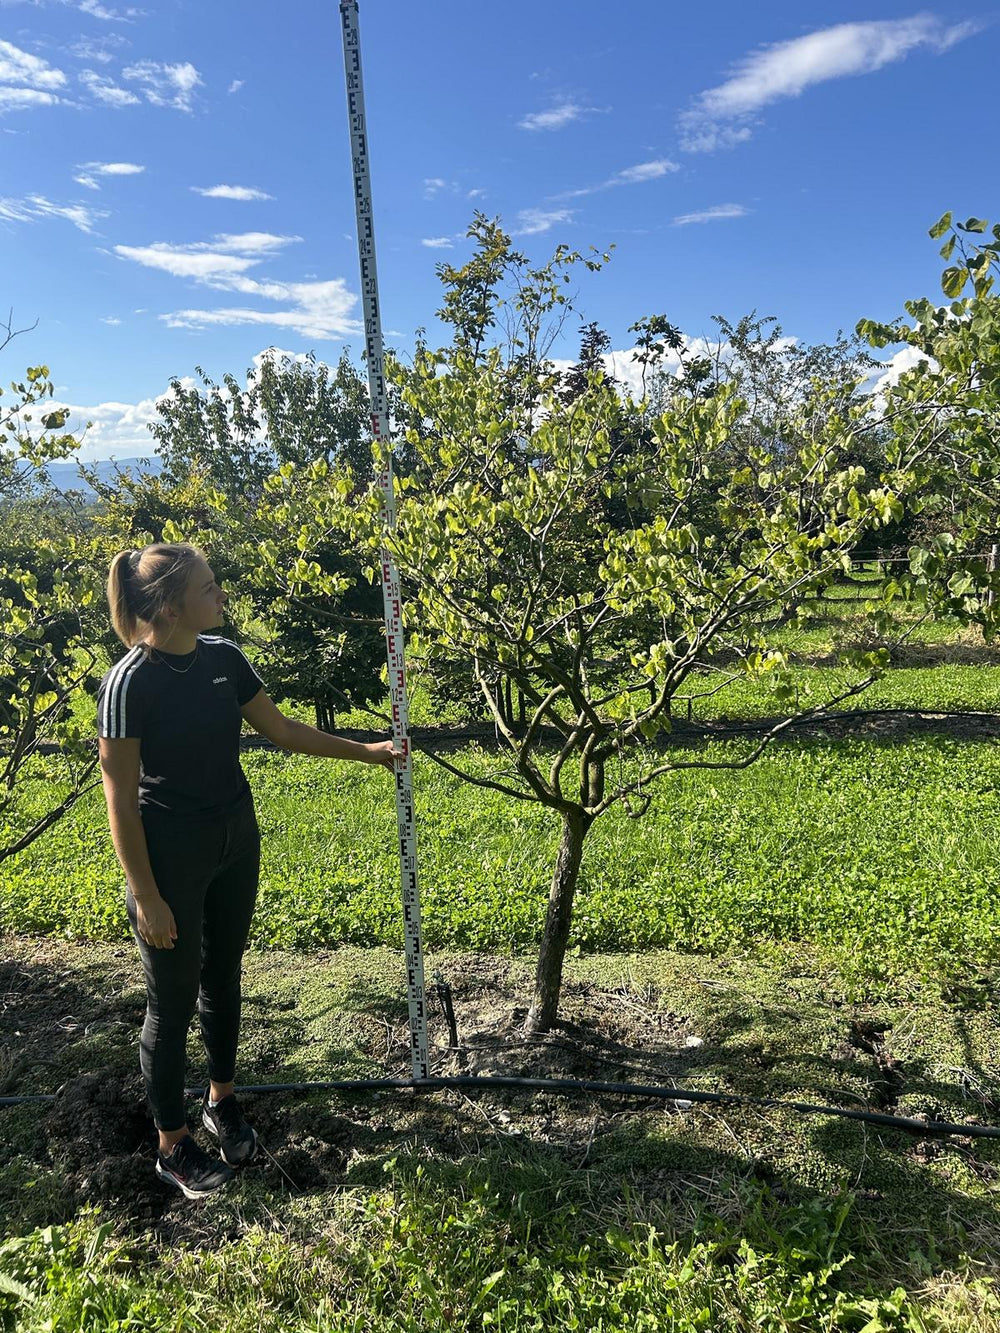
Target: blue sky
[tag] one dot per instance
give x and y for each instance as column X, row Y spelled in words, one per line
column 175, row 181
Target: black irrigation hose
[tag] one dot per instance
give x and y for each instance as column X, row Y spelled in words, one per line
column 926, row 1129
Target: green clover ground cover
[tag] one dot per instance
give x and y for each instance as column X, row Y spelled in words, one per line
column 880, row 851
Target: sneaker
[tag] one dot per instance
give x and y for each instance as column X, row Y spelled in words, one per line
column 189, row 1167
column 237, row 1141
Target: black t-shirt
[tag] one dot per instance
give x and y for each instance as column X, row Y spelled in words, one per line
column 185, row 708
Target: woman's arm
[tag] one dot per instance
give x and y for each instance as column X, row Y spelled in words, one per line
column 120, row 776
column 303, row 739
column 288, row 734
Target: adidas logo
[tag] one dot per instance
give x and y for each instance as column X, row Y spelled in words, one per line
column 219, row 679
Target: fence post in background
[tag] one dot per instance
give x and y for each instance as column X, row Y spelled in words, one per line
column 991, row 565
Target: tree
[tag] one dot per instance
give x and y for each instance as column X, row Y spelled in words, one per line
column 246, row 441
column 49, row 591
column 287, row 411
column 516, row 574
column 949, row 400
column 595, row 345
column 496, row 293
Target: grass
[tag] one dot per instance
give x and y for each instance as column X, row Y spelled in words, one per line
column 526, row 1210
column 880, row 851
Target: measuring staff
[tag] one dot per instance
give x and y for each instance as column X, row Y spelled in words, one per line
column 392, row 602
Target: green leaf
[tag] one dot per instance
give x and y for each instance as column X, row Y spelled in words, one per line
column 974, row 224
column 940, row 227
column 953, row 280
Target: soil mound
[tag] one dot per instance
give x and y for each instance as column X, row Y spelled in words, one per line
column 100, row 1131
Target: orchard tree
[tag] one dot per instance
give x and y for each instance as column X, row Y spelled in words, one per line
column 498, row 301
column 949, row 400
column 516, row 574
column 287, row 410
column 288, row 415
column 49, row 598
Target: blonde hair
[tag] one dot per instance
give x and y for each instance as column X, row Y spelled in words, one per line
column 141, row 584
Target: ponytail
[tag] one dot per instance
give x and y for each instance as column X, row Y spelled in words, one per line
column 142, row 584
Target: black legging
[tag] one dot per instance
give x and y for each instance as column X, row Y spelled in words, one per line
column 207, row 874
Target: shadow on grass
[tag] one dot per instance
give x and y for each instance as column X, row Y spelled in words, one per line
column 524, row 1154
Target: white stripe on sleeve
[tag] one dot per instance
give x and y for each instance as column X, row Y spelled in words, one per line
column 113, row 715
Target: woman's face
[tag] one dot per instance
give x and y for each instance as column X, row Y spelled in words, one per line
column 204, row 601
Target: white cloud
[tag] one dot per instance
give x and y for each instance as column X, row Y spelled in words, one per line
column 117, row 430
column 114, row 168
column 435, row 185
column 36, row 206
column 235, row 86
column 110, row 319
column 785, row 69
column 20, row 99
column 101, row 50
column 535, row 220
column 556, row 118
column 17, row 66
column 889, row 374
column 713, row 214
column 645, row 171
column 89, row 171
column 186, row 262
column 252, row 242
column 437, row 242
column 165, row 85
column 637, row 175
column 98, row 11
column 106, row 90
column 320, row 309
column 242, row 192
column 273, row 353
column 317, row 309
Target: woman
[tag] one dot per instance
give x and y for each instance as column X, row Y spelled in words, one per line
column 184, row 827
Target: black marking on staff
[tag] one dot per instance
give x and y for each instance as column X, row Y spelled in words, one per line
column 409, row 892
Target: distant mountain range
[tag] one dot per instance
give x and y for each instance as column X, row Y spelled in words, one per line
column 67, row 475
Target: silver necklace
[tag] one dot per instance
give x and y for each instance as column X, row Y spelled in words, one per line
column 179, row 671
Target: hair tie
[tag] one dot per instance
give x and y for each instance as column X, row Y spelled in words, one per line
column 133, row 559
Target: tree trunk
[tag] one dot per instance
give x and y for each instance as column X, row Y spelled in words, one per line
column 548, row 977
column 325, row 717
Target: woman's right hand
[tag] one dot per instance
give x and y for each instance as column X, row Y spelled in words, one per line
column 155, row 923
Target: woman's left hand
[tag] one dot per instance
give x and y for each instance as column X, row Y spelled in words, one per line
column 383, row 752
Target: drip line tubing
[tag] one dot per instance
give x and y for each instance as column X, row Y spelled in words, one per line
column 925, row 1128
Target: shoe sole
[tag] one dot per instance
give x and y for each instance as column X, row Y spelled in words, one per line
column 171, row 1179
column 209, row 1124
